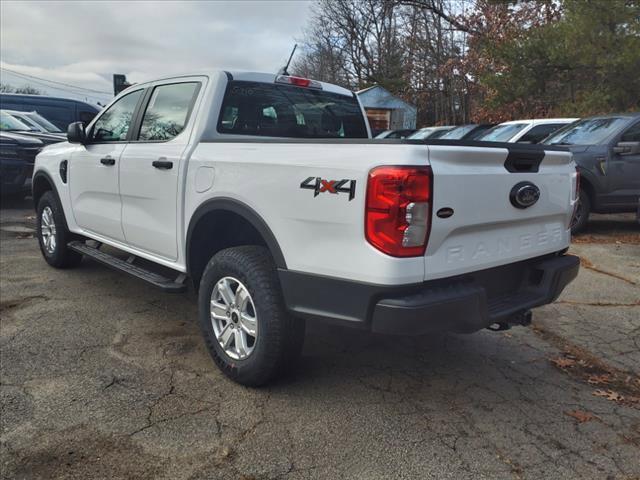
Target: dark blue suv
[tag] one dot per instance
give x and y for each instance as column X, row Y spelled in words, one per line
column 59, row 111
column 607, row 151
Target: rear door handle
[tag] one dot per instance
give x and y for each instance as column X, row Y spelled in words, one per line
column 108, row 161
column 163, row 164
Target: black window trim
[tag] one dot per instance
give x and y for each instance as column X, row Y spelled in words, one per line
column 139, row 115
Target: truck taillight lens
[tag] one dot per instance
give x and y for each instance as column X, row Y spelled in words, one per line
column 398, row 210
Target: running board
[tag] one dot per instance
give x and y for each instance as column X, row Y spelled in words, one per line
column 127, row 266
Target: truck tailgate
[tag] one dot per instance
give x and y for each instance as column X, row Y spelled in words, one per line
column 486, row 229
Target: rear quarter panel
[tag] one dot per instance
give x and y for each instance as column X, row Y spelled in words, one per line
column 321, row 234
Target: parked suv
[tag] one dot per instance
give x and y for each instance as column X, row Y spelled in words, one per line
column 59, row 111
column 467, row 132
column 607, row 152
column 524, row 131
column 17, row 155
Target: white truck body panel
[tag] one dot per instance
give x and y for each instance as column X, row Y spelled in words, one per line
column 147, row 212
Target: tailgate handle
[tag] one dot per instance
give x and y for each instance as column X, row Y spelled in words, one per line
column 523, row 161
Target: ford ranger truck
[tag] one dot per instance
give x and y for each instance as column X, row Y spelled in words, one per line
column 267, row 195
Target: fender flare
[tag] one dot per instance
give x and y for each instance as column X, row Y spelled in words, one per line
column 246, row 212
column 49, row 179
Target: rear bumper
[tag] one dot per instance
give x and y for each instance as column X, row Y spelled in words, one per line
column 463, row 304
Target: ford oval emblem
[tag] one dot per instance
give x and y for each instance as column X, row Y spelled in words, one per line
column 524, row 194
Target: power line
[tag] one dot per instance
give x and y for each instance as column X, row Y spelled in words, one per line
column 54, row 82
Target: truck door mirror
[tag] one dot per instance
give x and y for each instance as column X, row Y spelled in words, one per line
column 76, row 133
column 627, row 148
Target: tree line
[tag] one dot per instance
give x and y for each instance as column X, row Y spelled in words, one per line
column 481, row 60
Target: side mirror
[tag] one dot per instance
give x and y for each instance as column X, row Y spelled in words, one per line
column 76, row 133
column 627, row 148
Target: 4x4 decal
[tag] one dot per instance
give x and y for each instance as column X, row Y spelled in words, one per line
column 320, row 185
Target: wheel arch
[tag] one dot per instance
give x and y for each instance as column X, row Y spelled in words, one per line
column 244, row 227
column 41, row 183
column 587, row 185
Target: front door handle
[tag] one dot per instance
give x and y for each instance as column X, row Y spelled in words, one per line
column 163, row 164
column 108, row 161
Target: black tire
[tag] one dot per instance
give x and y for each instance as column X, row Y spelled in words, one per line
column 60, row 256
column 581, row 215
column 280, row 336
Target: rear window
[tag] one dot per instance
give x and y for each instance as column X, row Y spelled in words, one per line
column 458, row 132
column 272, row 110
column 590, row 131
column 502, row 133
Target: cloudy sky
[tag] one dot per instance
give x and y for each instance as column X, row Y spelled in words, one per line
column 84, row 43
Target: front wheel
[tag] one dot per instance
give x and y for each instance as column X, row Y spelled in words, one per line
column 249, row 333
column 52, row 233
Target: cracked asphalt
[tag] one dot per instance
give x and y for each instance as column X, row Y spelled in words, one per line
column 102, row 376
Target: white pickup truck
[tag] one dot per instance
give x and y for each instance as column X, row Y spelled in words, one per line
column 266, row 192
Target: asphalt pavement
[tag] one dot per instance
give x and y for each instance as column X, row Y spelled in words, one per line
column 102, row 376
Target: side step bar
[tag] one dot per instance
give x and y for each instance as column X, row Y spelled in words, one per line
column 127, row 266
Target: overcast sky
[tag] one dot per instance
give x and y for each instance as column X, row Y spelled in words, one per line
column 84, row 43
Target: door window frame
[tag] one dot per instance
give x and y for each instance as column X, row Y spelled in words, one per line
column 626, row 129
column 142, row 109
column 92, row 125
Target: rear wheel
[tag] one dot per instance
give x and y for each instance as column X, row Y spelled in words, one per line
column 249, row 333
column 581, row 215
column 52, row 233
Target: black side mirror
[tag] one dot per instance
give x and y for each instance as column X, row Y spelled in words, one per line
column 76, row 133
column 627, row 148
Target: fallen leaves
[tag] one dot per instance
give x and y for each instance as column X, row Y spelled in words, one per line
column 563, row 362
column 585, row 263
column 614, row 396
column 602, row 379
column 618, row 239
column 618, row 386
column 581, row 416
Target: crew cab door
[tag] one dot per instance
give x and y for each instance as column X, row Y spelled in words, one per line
column 151, row 166
column 623, row 171
column 93, row 170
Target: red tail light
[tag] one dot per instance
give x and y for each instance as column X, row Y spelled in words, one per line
column 398, row 210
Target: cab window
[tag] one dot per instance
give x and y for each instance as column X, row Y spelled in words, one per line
column 540, row 132
column 631, row 135
column 113, row 125
column 168, row 111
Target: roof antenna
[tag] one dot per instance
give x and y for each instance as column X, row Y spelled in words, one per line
column 283, row 70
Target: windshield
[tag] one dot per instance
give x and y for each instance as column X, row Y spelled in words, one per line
column 502, row 133
column 11, row 124
column 272, row 110
column 440, row 133
column 384, row 134
column 27, row 121
column 458, row 132
column 421, row 134
column 591, row 131
column 43, row 122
